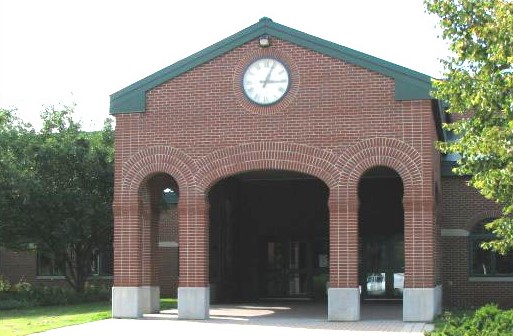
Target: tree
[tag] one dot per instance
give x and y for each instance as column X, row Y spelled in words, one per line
column 56, row 188
column 478, row 85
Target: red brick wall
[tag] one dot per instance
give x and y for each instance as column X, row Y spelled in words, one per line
column 168, row 255
column 16, row 266
column 337, row 121
column 463, row 207
column 22, row 266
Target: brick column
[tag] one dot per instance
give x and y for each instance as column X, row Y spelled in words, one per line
column 343, row 291
column 150, row 289
column 422, row 297
column 193, row 290
column 126, row 292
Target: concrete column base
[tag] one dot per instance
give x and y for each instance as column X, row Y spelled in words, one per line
column 343, row 304
column 422, row 304
column 126, row 302
column 193, row 303
column 133, row 302
column 150, row 299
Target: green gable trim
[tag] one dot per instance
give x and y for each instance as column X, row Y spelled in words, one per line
column 409, row 84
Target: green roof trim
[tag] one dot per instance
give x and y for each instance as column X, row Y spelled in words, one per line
column 409, row 84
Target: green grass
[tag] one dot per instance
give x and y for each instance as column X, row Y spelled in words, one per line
column 21, row 322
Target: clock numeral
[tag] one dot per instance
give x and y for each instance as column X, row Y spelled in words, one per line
column 256, row 97
column 267, row 63
column 265, row 100
column 281, row 89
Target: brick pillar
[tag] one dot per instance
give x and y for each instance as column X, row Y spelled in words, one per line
column 422, row 297
column 343, row 292
column 149, row 212
column 126, row 292
column 193, row 290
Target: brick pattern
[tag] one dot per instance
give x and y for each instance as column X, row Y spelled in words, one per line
column 168, row 224
column 463, row 208
column 22, row 266
column 337, row 121
column 168, row 256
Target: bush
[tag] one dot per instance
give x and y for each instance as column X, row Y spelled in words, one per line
column 5, row 285
column 6, row 304
column 486, row 321
column 24, row 294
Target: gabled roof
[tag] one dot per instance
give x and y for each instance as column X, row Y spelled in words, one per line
column 409, row 84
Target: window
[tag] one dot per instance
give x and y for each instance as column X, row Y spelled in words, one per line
column 102, row 264
column 49, row 264
column 486, row 262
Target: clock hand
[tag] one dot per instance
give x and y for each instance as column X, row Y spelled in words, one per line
column 268, row 75
column 270, row 81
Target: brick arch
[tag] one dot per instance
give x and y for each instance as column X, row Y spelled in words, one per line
column 158, row 159
column 353, row 163
column 267, row 155
column 481, row 216
column 387, row 152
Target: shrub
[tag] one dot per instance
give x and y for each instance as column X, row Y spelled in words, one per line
column 5, row 285
column 24, row 294
column 6, row 304
column 489, row 320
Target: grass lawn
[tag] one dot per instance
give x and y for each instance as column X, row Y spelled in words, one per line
column 20, row 322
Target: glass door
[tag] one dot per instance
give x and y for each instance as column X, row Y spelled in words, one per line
column 287, row 273
column 382, row 267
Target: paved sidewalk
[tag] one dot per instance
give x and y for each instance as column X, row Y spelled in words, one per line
column 162, row 327
column 227, row 320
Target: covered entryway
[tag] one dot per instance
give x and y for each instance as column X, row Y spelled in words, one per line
column 381, row 235
column 268, row 237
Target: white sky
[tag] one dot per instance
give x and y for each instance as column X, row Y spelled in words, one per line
column 64, row 51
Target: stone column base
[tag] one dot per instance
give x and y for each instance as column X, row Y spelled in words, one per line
column 133, row 302
column 193, row 303
column 150, row 297
column 422, row 304
column 343, row 304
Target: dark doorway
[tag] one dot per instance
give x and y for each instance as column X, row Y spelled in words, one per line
column 268, row 237
column 381, row 235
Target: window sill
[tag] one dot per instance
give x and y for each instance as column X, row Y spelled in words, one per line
column 51, row 277
column 100, row 277
column 491, row 279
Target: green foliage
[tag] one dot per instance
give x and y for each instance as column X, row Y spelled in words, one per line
column 478, row 85
column 486, row 321
column 56, row 188
column 5, row 285
column 23, row 294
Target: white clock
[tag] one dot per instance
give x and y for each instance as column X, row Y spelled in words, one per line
column 266, row 81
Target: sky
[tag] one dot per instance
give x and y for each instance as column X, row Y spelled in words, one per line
column 79, row 52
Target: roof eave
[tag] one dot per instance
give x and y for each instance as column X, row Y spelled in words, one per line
column 409, row 84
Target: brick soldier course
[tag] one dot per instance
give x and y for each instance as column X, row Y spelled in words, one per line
column 190, row 126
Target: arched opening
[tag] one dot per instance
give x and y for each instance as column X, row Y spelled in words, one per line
column 381, row 235
column 158, row 197
column 269, row 236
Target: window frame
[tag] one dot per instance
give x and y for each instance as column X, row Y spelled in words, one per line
column 54, row 274
column 478, row 238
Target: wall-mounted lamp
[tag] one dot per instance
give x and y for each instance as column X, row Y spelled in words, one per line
column 264, row 41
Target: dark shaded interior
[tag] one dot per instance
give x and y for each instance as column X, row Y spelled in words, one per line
column 381, row 234
column 268, row 237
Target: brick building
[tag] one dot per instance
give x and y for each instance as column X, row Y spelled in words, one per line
column 302, row 169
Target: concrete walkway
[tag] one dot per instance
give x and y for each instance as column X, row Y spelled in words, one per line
column 298, row 318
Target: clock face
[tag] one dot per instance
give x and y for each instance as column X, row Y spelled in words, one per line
column 266, row 81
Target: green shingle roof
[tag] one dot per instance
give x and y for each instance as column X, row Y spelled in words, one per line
column 409, row 84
